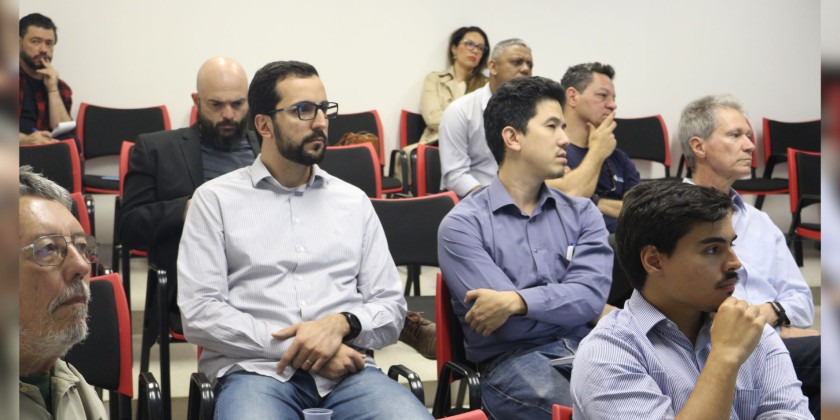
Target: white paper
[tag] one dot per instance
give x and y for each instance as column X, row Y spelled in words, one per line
column 64, row 128
column 563, row 361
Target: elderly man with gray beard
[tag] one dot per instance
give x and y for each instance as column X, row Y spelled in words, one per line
column 54, row 277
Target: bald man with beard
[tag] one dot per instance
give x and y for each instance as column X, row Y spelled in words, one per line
column 166, row 167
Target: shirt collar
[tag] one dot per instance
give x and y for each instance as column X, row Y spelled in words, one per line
column 259, row 172
column 737, row 200
column 647, row 316
column 499, row 197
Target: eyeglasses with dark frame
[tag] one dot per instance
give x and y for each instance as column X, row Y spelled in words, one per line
column 473, row 46
column 51, row 250
column 308, row 110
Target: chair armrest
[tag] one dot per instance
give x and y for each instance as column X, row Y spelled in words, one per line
column 91, row 213
column 452, row 371
column 201, row 401
column 149, row 404
column 415, row 384
column 398, row 157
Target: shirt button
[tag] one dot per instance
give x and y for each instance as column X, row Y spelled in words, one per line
column 535, row 250
column 303, row 303
column 298, row 277
column 296, row 220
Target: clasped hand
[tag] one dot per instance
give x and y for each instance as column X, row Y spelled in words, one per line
column 492, row 309
column 316, row 344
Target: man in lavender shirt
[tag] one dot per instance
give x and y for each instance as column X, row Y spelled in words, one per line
column 527, row 265
column 683, row 346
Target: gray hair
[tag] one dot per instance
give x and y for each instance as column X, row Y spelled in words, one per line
column 699, row 118
column 36, row 185
column 501, row 46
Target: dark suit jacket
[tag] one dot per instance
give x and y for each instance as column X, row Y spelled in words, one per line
column 164, row 170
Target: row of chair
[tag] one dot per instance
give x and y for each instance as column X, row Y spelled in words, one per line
column 101, row 131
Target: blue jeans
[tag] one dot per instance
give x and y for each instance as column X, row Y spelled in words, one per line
column 367, row 394
column 522, row 384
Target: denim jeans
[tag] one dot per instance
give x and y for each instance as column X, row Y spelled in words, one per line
column 522, row 384
column 367, row 394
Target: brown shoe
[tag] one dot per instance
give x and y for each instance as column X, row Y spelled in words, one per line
column 419, row 333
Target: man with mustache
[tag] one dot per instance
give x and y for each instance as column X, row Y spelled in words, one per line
column 45, row 100
column 54, row 263
column 601, row 171
column 527, row 265
column 286, row 279
column 715, row 138
column 683, row 347
column 166, row 167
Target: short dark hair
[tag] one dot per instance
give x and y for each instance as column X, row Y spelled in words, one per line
column 514, row 104
column 579, row 76
column 263, row 95
column 39, row 20
column 659, row 213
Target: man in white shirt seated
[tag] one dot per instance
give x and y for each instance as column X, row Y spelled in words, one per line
column 285, row 276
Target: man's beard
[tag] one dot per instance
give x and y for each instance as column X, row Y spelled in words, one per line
column 212, row 133
column 30, row 61
column 55, row 343
column 298, row 154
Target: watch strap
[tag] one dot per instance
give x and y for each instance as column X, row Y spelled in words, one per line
column 782, row 320
column 355, row 326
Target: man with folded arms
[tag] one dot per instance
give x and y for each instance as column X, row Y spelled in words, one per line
column 527, row 265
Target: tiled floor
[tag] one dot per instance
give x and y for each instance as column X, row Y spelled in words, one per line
column 183, row 355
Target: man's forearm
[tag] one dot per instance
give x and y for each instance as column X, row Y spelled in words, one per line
column 610, row 207
column 715, row 391
column 581, row 181
column 58, row 113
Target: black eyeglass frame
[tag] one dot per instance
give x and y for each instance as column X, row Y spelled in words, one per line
column 323, row 106
column 479, row 47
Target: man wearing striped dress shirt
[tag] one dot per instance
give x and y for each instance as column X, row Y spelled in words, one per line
column 286, row 279
column 683, row 347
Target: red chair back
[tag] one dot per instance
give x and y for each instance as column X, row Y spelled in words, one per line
column 470, row 415
column 412, row 126
column 81, row 212
column 356, row 164
column 561, row 412
column 105, row 358
column 58, row 161
column 427, row 171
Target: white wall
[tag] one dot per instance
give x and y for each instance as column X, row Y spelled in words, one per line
column 375, row 53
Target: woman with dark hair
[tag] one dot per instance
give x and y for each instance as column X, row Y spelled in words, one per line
column 468, row 52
